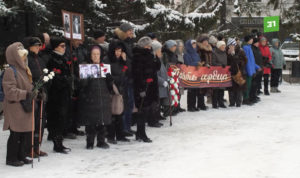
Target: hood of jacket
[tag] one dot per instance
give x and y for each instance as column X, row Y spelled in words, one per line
column 207, row 48
column 191, row 51
column 12, row 55
column 275, row 40
column 112, row 47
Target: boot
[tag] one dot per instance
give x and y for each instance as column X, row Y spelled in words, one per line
column 90, row 141
column 267, row 92
column 15, row 163
column 144, row 139
column 58, row 145
column 247, row 102
column 141, row 133
column 273, row 90
column 277, row 91
column 102, row 145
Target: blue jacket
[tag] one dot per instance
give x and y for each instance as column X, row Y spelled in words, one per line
column 251, row 66
column 191, row 57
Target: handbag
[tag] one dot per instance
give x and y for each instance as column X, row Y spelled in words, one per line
column 117, row 103
column 238, row 78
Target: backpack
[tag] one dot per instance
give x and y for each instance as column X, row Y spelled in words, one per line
column 1, row 79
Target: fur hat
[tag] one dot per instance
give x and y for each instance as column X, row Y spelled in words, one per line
column 22, row 52
column 203, row 38
column 126, row 27
column 156, row 45
column 144, row 41
column 220, row 43
column 255, row 40
column 56, row 41
column 98, row 34
column 170, row 43
column 231, row 41
column 213, row 40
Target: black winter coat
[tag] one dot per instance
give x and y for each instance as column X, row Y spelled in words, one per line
column 169, row 57
column 237, row 62
column 36, row 66
column 59, row 93
column 95, row 102
column 145, row 66
column 258, row 56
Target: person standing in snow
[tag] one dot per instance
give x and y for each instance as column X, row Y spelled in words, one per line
column 278, row 64
column 237, row 61
column 146, row 93
column 192, row 58
column 265, row 51
column 219, row 58
column 251, row 68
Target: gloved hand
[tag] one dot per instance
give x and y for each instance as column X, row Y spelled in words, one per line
column 42, row 96
column 165, row 84
column 223, row 65
column 143, row 94
column 31, row 95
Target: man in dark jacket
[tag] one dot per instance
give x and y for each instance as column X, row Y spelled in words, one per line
column 257, row 79
column 36, row 66
column 146, row 93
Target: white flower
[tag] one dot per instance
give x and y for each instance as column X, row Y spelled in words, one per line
column 176, row 86
column 52, row 74
column 46, row 79
column 172, row 81
column 173, row 102
column 173, row 92
column 46, row 71
column 173, row 74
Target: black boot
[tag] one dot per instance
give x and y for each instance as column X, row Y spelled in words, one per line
column 58, row 145
column 141, row 133
column 267, row 93
column 90, row 141
column 15, row 163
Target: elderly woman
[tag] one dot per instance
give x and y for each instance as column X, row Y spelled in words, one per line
column 95, row 104
column 219, row 58
column 17, row 86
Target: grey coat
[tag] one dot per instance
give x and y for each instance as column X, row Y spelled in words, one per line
column 162, row 77
column 219, row 58
column 277, row 56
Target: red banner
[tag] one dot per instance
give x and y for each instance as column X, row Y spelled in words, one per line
column 203, row 77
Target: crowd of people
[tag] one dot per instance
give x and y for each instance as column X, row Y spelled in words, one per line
column 138, row 74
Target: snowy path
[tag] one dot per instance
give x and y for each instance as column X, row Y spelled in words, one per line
column 262, row 141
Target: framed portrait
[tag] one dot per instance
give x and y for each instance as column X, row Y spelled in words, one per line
column 66, row 17
column 89, row 71
column 73, row 25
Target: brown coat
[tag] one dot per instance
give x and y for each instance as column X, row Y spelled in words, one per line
column 205, row 53
column 15, row 90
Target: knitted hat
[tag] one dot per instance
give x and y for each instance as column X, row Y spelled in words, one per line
column 144, row 41
column 151, row 35
column 220, row 43
column 231, row 41
column 248, row 38
column 263, row 39
column 31, row 41
column 203, row 38
column 255, row 40
column 98, row 34
column 126, row 27
column 56, row 41
column 156, row 45
column 213, row 40
column 170, row 43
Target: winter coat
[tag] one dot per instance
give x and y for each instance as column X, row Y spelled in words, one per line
column 265, row 51
column 219, row 58
column 205, row 53
column 15, row 89
column 95, row 101
column 169, row 58
column 277, row 56
column 237, row 62
column 251, row 66
column 45, row 55
column 191, row 57
column 36, row 66
column 145, row 66
column 162, row 77
column 118, row 70
column 257, row 55
column 59, row 92
column 129, row 44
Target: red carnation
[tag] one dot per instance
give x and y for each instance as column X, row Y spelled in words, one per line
column 124, row 69
column 101, row 64
column 175, row 79
column 170, row 69
column 69, row 62
column 170, row 73
column 173, row 97
column 149, row 80
column 75, row 59
column 105, row 70
column 177, row 92
column 176, row 104
column 58, row 71
column 172, row 86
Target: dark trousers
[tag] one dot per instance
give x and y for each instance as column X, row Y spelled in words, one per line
column 275, row 76
column 153, row 115
column 143, row 116
column 115, row 129
column 127, row 117
column 217, row 97
column 247, row 92
column 37, row 115
column 95, row 130
column 266, row 82
column 17, row 145
column 256, row 84
column 235, row 97
column 195, row 96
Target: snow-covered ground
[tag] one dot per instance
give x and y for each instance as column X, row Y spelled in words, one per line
column 262, row 141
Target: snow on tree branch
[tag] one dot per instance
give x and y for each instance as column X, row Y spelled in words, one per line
column 3, row 9
column 295, row 36
column 136, row 27
column 96, row 6
column 37, row 6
